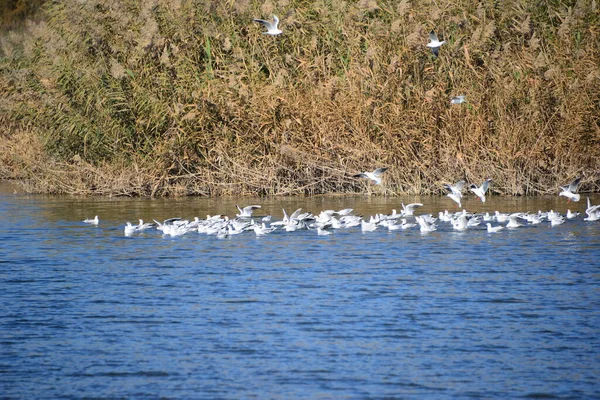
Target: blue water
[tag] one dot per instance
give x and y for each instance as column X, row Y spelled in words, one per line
column 89, row 313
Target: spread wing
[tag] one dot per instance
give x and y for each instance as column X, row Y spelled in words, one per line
column 573, row 185
column 379, row 171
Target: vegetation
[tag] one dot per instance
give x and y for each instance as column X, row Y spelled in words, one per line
column 170, row 97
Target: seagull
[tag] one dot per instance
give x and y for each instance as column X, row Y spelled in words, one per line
column 374, row 176
column 434, row 43
column 367, row 226
column 493, row 229
column 272, row 28
column 129, row 229
column 93, row 221
column 458, row 100
column 572, row 215
column 593, row 212
column 410, row 208
column 247, row 211
column 569, row 190
column 512, row 220
column 481, row 190
column 323, row 232
column 455, row 191
column 425, row 225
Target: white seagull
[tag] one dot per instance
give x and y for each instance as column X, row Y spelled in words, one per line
column 409, row 209
column 493, row 229
column 374, row 176
column 272, row 28
column 434, row 43
column 569, row 190
column 91, row 221
column 458, row 100
column 455, row 191
column 593, row 212
column 481, row 190
column 247, row 211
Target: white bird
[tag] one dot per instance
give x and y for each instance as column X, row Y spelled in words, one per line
column 458, row 100
column 247, row 211
column 406, row 225
column 501, row 217
column 409, row 209
column 571, row 215
column 569, row 191
column 460, row 223
column 455, row 191
column 425, row 224
column 593, row 212
column 374, row 176
column 493, row 229
column 272, row 27
column 481, row 190
column 512, row 220
column 323, row 232
column 91, row 221
column 367, row 226
column 143, row 226
column 262, row 229
column 434, row 43
column 129, row 229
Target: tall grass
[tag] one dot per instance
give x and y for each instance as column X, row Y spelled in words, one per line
column 169, row 97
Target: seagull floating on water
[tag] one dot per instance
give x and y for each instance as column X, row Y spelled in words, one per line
column 493, row 229
column 374, row 176
column 92, row 221
column 435, row 43
column 569, row 191
column 481, row 190
column 458, row 100
column 272, row 28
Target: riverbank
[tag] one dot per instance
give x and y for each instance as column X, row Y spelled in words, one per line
column 177, row 98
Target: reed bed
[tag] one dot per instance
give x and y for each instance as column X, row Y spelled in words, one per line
column 169, row 97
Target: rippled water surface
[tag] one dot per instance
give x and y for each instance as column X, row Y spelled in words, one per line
column 89, row 313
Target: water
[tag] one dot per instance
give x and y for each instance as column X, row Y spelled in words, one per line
column 89, row 313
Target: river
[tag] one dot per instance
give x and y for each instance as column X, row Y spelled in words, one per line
column 90, row 313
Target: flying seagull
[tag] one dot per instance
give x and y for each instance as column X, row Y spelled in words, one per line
column 272, row 28
column 434, row 43
column 481, row 190
column 458, row 100
column 569, row 190
column 455, row 191
column 374, row 176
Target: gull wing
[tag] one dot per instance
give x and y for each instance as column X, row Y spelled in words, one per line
column 267, row 24
column 433, row 37
column 248, row 209
column 379, row 171
column 573, row 185
column 485, row 185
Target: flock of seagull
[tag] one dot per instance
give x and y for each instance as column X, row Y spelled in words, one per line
column 328, row 221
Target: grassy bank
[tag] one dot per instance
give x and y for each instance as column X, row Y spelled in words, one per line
column 189, row 97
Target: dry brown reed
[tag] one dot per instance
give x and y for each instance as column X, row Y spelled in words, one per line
column 170, row 97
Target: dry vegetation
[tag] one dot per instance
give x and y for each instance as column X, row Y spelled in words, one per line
column 189, row 97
